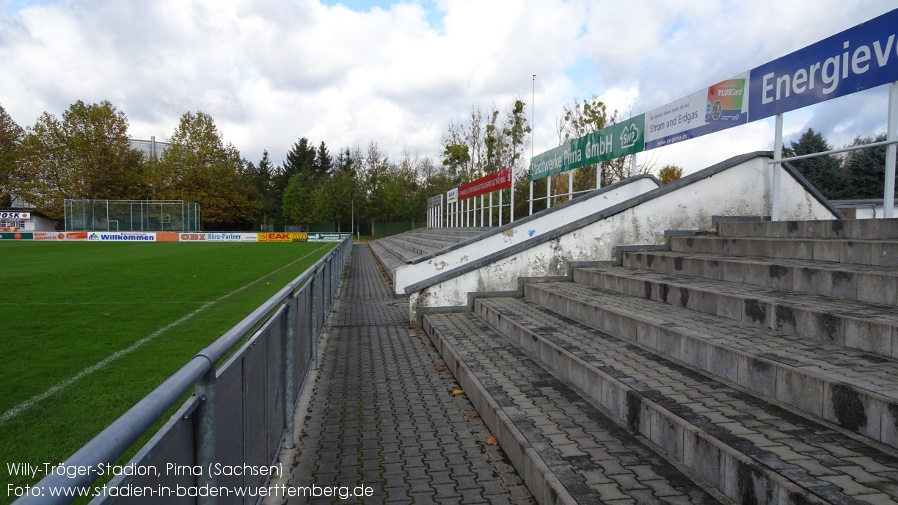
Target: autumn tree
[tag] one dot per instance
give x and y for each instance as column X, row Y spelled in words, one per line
column 10, row 137
column 86, row 155
column 669, row 173
column 199, row 167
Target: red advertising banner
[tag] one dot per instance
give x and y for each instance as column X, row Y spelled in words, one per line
column 495, row 181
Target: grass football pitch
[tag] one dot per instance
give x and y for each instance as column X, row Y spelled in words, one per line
column 88, row 329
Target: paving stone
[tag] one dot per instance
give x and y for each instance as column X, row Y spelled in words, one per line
column 380, row 410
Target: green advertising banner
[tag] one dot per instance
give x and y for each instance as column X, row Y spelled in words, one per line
column 327, row 237
column 17, row 235
column 621, row 139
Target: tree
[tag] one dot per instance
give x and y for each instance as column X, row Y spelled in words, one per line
column 823, row 172
column 864, row 169
column 323, row 161
column 297, row 204
column 86, row 155
column 263, row 182
column 199, row 167
column 580, row 119
column 515, row 130
column 669, row 173
column 11, row 135
column 301, row 158
column 456, row 159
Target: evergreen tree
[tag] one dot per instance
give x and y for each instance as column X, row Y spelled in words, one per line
column 263, row 181
column 323, row 161
column 865, row 168
column 300, row 158
column 821, row 171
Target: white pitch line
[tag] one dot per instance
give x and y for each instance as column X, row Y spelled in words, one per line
column 34, row 400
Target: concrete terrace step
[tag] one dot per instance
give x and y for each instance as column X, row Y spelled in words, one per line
column 387, row 258
column 448, row 234
column 850, row 388
column 568, row 450
column 753, row 451
column 428, row 241
column 403, row 249
column 856, row 229
column 852, row 282
column 860, row 252
column 859, row 325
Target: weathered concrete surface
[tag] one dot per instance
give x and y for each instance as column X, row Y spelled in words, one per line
column 519, row 231
column 737, row 187
column 712, row 366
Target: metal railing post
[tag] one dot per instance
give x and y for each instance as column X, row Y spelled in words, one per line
column 206, row 434
column 290, row 367
column 313, row 334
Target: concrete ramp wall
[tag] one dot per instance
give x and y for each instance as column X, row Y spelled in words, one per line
column 739, row 186
column 429, row 266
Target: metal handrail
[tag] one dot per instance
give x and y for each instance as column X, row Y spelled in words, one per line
column 118, row 437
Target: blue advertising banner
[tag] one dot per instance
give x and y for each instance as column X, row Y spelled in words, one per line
column 856, row 59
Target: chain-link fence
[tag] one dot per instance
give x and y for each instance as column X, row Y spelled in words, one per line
column 131, row 215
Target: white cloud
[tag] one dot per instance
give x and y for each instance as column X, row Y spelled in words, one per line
column 270, row 71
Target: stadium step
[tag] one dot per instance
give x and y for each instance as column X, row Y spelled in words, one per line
column 762, row 361
column 860, row 325
column 854, row 389
column 859, row 252
column 753, row 450
column 838, row 280
column 431, row 242
column 569, row 449
column 856, row 229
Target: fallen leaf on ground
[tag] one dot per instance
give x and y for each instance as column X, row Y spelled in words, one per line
column 473, row 415
column 456, row 392
column 441, row 368
column 491, row 440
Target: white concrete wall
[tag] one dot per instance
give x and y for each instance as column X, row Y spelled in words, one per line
column 518, row 232
column 872, row 211
column 741, row 190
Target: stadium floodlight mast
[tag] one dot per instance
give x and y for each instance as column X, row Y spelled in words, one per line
column 532, row 127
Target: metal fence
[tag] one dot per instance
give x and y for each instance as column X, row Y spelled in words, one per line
column 131, row 215
column 238, row 417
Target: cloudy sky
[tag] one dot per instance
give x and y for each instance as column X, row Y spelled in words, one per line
column 349, row 72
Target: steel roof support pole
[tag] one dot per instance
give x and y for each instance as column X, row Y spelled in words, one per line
column 888, row 199
column 777, row 170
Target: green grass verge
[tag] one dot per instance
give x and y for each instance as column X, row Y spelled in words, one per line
column 69, row 306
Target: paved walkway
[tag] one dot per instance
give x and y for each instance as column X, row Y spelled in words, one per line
column 380, row 413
